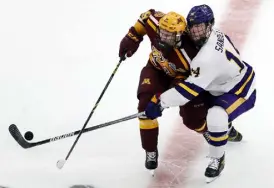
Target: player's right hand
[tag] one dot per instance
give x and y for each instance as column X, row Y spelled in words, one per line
column 130, row 43
column 154, row 108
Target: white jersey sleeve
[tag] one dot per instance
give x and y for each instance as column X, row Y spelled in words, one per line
column 199, row 80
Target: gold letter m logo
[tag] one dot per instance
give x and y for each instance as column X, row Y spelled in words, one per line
column 146, row 81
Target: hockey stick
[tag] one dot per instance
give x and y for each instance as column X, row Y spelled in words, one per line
column 61, row 163
column 16, row 134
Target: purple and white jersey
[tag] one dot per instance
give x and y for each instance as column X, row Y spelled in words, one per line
column 218, row 69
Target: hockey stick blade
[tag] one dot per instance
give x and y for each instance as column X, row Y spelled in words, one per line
column 60, row 163
column 15, row 133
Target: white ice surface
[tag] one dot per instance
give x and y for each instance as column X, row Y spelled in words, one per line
column 56, row 56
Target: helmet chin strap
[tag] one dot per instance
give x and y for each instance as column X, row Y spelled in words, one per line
column 178, row 41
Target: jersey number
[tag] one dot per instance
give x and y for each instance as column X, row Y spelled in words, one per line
column 230, row 56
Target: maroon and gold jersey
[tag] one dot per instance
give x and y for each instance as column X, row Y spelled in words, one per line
column 176, row 62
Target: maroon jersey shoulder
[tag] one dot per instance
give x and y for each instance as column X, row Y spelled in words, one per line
column 151, row 24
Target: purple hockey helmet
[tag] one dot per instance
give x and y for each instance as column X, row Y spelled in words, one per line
column 200, row 20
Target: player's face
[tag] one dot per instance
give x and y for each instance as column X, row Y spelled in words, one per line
column 167, row 37
column 198, row 31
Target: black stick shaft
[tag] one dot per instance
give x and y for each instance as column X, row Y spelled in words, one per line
column 67, row 135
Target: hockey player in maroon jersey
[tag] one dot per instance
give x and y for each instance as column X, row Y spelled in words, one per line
column 171, row 52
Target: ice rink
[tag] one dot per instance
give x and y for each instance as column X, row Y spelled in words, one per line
column 56, row 57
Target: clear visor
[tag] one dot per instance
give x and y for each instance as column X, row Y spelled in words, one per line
column 168, row 37
column 199, row 32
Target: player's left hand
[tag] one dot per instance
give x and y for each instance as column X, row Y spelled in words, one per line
column 154, row 108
